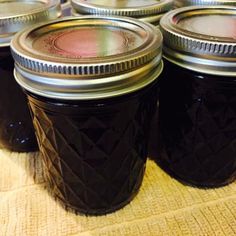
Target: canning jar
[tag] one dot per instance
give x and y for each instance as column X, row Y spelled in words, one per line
column 16, row 129
column 91, row 100
column 198, row 95
column 149, row 11
column 184, row 3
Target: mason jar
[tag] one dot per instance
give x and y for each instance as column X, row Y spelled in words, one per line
column 149, row 11
column 197, row 112
column 91, row 101
column 184, row 3
column 16, row 129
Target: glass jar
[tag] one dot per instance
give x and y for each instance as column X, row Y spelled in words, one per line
column 197, row 112
column 16, row 129
column 149, row 11
column 92, row 101
column 66, row 7
column 184, row 3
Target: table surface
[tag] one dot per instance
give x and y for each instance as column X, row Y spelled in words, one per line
column 162, row 207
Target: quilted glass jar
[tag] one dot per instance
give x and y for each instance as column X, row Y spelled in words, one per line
column 16, row 129
column 149, row 11
column 198, row 96
column 92, row 101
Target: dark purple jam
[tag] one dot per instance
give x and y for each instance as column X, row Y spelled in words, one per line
column 94, row 152
column 16, row 129
column 197, row 116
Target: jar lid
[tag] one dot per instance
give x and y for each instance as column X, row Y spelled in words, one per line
column 18, row 14
column 201, row 38
column 152, row 19
column 87, row 57
column 182, row 3
column 131, row 8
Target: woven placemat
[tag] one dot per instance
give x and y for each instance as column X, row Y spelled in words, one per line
column 162, row 207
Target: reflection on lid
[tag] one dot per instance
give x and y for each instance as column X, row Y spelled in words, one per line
column 212, row 25
column 87, row 42
column 11, row 8
column 122, row 3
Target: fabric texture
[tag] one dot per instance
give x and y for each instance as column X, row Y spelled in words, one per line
column 162, row 207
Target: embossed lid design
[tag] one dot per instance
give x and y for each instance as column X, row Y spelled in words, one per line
column 18, row 14
column 133, row 8
column 87, row 57
column 182, row 3
column 201, row 38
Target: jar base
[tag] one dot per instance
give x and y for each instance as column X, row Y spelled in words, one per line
column 191, row 183
column 92, row 212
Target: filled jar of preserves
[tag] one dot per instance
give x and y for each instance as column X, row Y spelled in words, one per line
column 16, row 129
column 197, row 112
column 91, row 100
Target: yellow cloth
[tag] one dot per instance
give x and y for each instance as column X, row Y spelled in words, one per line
column 162, row 207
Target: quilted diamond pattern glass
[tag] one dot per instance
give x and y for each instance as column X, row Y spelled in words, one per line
column 94, row 152
column 198, row 127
